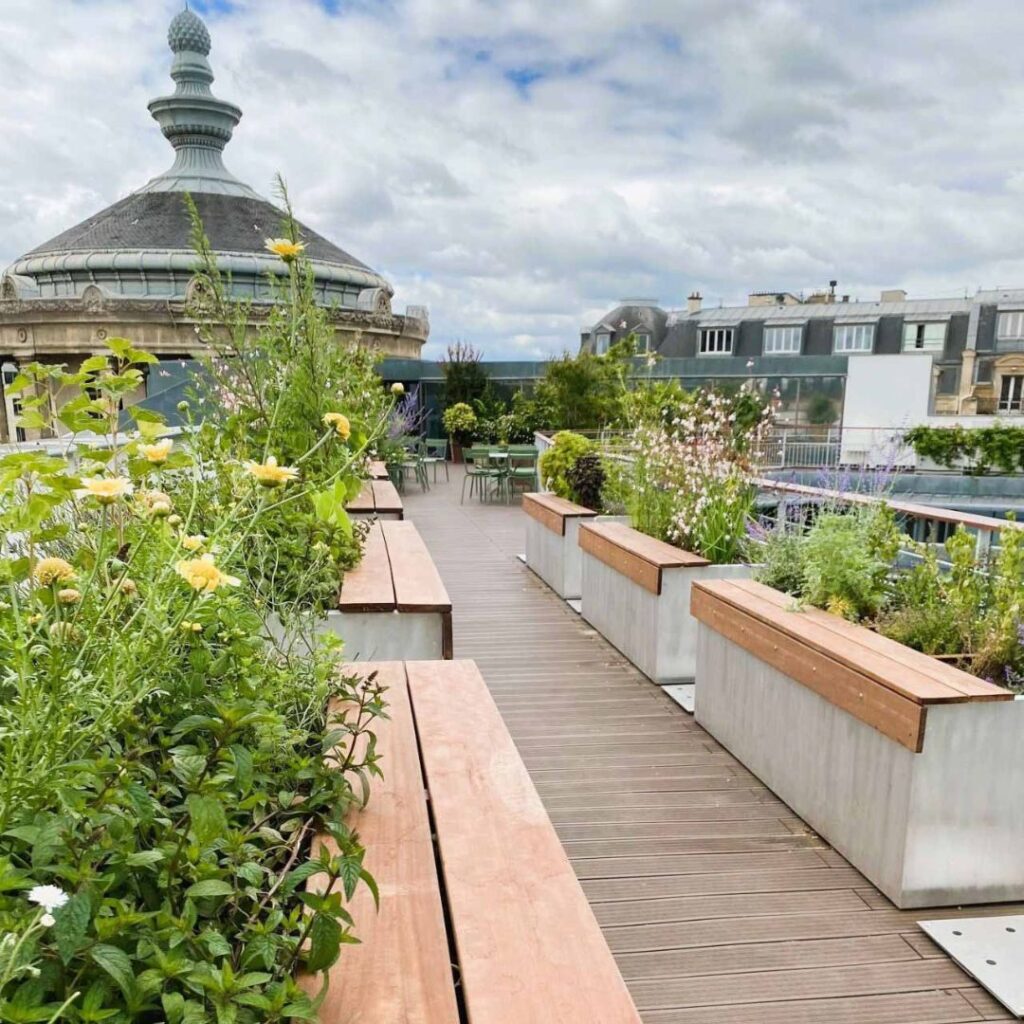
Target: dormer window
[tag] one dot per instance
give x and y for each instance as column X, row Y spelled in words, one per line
column 643, row 343
column 603, row 342
column 716, row 341
column 924, row 337
column 853, row 338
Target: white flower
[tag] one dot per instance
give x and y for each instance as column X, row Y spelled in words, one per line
column 49, row 897
column 47, row 920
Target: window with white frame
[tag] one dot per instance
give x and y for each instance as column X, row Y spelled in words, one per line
column 924, row 337
column 643, row 343
column 782, row 341
column 603, row 343
column 716, row 341
column 853, row 338
column 1011, row 326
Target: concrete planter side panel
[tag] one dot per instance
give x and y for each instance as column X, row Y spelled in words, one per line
column 938, row 828
column 656, row 632
column 378, row 636
column 557, row 559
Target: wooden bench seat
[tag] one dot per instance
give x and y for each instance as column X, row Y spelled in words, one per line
column 552, row 511
column 525, row 946
column 883, row 683
column 378, row 471
column 378, row 498
column 633, row 553
column 394, row 602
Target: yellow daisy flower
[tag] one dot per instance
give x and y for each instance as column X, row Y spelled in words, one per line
column 201, row 574
column 53, row 570
column 157, row 453
column 340, row 423
column 69, row 596
column 193, row 542
column 270, row 474
column 106, row 490
column 285, row 248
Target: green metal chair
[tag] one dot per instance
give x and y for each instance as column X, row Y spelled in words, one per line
column 522, row 470
column 435, row 451
column 480, row 472
column 414, row 461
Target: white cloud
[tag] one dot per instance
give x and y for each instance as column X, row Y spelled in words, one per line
column 520, row 167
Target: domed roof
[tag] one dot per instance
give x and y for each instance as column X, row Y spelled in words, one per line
column 188, row 32
column 141, row 245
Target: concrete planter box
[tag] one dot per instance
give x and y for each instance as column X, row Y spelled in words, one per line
column 636, row 592
column 375, row 635
column 552, row 541
column 831, row 717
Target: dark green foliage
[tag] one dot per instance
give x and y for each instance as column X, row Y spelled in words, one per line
column 184, row 842
column 586, row 478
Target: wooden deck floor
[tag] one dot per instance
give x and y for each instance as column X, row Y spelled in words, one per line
column 720, row 905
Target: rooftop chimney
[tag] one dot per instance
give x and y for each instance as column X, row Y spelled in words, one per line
column 693, row 303
column 894, row 295
column 832, row 291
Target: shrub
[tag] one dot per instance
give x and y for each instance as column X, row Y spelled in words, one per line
column 460, row 422
column 163, row 769
column 586, row 478
column 847, row 559
column 558, row 460
column 780, row 552
column 978, row 448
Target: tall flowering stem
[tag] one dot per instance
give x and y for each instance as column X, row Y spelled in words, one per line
column 692, row 471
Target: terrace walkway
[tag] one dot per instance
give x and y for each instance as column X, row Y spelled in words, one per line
column 719, row 904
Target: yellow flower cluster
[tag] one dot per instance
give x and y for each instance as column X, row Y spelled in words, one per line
column 193, row 542
column 270, row 474
column 53, row 570
column 340, row 423
column 202, row 574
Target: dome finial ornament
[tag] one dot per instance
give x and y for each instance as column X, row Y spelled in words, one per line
column 188, row 32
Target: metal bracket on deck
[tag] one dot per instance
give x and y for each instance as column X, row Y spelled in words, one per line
column 990, row 949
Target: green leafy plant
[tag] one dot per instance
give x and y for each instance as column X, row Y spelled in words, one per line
column 847, row 559
column 163, row 769
column 556, row 462
column 976, row 449
column 780, row 553
column 460, row 422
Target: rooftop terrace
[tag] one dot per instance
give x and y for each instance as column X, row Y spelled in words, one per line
column 720, row 905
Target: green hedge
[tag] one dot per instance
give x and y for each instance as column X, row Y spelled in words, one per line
column 977, row 449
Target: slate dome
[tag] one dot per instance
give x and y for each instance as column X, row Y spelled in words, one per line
column 140, row 247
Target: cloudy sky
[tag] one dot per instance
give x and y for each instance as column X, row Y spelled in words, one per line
column 520, row 165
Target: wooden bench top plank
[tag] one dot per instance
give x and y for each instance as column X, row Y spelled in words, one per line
column 892, row 714
column 378, row 471
column 369, row 587
column 971, row 687
column 363, row 501
column 529, row 947
column 650, row 549
column 418, row 585
column 400, row 972
column 386, row 498
column 552, row 511
column 880, row 660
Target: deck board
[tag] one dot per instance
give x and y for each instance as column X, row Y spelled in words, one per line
column 710, row 921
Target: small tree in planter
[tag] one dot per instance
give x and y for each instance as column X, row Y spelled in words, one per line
column 460, row 422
